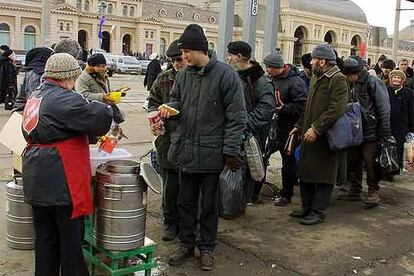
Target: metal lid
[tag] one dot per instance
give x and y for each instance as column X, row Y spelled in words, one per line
column 122, row 166
column 151, row 177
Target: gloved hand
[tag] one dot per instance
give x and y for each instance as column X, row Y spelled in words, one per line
column 233, row 162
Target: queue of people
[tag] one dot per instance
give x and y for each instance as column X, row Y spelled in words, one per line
column 219, row 106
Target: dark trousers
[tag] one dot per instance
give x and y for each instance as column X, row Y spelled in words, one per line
column 252, row 187
column 170, row 197
column 192, row 187
column 58, row 247
column 315, row 197
column 289, row 169
column 357, row 156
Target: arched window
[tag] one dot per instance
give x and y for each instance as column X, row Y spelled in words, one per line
column 4, row 34
column 125, row 11
column 163, row 45
column 110, row 8
column 132, row 11
column 86, row 5
column 29, row 38
column 78, row 4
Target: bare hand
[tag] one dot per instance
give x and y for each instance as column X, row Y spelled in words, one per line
column 106, row 99
column 310, row 136
column 279, row 102
column 158, row 128
column 164, row 113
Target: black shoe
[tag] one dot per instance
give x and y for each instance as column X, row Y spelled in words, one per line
column 179, row 256
column 281, row 201
column 298, row 214
column 312, row 219
column 170, row 232
column 349, row 196
column 206, row 260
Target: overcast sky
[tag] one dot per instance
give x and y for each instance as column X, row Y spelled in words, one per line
column 382, row 13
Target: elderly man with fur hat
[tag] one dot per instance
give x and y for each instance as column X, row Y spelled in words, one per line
column 319, row 168
column 402, row 109
column 371, row 94
column 160, row 94
column 56, row 166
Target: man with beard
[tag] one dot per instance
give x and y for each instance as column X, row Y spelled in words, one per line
column 371, row 94
column 260, row 104
column 212, row 118
column 402, row 110
column 319, row 167
column 290, row 96
column 160, row 94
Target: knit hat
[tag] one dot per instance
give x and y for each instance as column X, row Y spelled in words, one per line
column 351, row 67
column 173, row 50
column 62, row 66
column 306, row 60
column 323, row 51
column 274, row 59
column 193, row 38
column 382, row 58
column 388, row 64
column 398, row 73
column 240, row 47
column 361, row 62
column 4, row 47
column 69, row 46
column 96, row 59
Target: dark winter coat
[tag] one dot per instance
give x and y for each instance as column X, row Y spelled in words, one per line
column 371, row 93
column 63, row 115
column 326, row 102
column 8, row 78
column 212, row 117
column 161, row 93
column 153, row 70
column 260, row 101
column 293, row 93
column 402, row 112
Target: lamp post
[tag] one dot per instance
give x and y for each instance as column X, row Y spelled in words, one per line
column 101, row 8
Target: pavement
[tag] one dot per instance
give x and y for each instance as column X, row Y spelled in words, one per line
column 265, row 241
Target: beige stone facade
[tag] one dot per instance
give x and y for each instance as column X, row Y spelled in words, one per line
column 151, row 25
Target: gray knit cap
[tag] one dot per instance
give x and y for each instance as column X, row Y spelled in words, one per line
column 62, row 66
column 274, row 59
column 69, row 46
column 323, row 51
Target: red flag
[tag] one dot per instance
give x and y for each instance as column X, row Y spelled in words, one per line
column 363, row 49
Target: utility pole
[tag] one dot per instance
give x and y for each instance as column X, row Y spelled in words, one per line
column 226, row 24
column 272, row 26
column 395, row 39
column 251, row 10
column 46, row 22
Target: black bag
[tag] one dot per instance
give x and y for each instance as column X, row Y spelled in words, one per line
column 387, row 157
column 231, row 193
column 272, row 141
column 9, row 101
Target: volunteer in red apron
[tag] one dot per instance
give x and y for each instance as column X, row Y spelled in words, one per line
column 56, row 167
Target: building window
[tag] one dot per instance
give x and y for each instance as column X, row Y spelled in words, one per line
column 125, row 11
column 29, row 38
column 4, row 34
column 68, row 27
column 212, row 19
column 61, row 27
column 86, row 5
column 131, row 11
column 152, row 34
column 196, row 17
column 146, row 34
column 110, row 8
column 163, row 45
column 78, row 4
column 162, row 12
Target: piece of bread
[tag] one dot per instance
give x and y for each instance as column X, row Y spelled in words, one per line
column 172, row 111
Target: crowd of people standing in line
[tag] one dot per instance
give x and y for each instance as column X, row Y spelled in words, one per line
column 219, row 104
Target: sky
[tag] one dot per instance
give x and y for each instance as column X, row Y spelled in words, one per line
column 382, row 13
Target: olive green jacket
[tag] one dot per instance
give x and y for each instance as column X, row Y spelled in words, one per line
column 326, row 102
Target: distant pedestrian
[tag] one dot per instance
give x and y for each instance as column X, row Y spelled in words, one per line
column 8, row 79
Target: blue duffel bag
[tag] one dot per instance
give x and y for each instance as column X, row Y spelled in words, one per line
column 346, row 131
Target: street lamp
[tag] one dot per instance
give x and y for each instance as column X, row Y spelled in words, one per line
column 101, row 8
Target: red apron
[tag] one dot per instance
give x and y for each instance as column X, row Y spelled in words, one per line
column 74, row 154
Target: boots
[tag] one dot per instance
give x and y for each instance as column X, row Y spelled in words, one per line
column 372, row 198
column 181, row 255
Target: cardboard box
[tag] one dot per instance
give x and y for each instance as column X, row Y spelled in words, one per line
column 12, row 137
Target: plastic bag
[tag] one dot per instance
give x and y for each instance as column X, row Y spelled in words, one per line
column 254, row 158
column 231, row 192
column 387, row 157
column 409, row 156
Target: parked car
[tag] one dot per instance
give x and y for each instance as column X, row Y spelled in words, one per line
column 98, row 51
column 128, row 65
column 111, row 64
column 144, row 65
column 20, row 61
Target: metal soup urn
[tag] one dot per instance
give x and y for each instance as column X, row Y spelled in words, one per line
column 20, row 229
column 120, row 205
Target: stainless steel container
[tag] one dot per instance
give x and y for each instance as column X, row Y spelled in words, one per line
column 121, row 206
column 20, row 229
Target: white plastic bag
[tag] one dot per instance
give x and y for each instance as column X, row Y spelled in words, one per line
column 254, row 158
